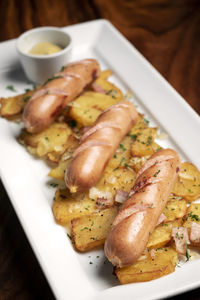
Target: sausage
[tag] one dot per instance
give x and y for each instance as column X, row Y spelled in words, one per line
column 98, row 145
column 139, row 215
column 46, row 104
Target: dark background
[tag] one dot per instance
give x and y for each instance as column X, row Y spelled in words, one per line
column 166, row 32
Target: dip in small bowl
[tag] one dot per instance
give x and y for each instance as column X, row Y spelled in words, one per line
column 43, row 51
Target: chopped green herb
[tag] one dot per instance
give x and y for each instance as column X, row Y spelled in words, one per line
column 84, row 228
column 69, row 236
column 122, row 147
column 11, row 88
column 62, row 68
column 186, row 252
column 155, row 175
column 27, row 98
column 53, row 184
column 133, row 136
column 46, row 138
column 72, row 123
column 52, row 78
column 149, row 140
column 146, row 121
column 112, row 93
column 193, row 216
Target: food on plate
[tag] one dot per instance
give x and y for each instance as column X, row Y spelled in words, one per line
column 89, row 213
column 48, row 102
column 90, row 231
column 188, row 182
column 98, row 145
column 12, row 107
column 138, row 216
column 192, row 223
column 154, row 264
column 162, row 234
column 67, row 206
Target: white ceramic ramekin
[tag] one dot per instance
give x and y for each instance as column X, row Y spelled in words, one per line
column 38, row 68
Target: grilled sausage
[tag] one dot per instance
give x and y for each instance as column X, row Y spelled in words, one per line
column 138, row 216
column 46, row 104
column 98, row 146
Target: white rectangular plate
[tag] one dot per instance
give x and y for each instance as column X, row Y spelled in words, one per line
column 89, row 276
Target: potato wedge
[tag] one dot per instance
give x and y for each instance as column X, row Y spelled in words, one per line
column 141, row 124
column 137, row 162
column 144, row 143
column 117, row 179
column 176, row 208
column 163, row 263
column 188, row 182
column 86, row 108
column 67, row 207
column 70, row 145
column 162, row 234
column 59, row 171
column 91, row 231
column 52, row 139
column 193, row 216
column 108, row 87
column 12, row 107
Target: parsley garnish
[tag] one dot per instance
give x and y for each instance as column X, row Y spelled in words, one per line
column 149, row 140
column 187, row 253
column 122, row 147
column 193, row 216
column 72, row 123
column 27, row 98
column 133, row 136
column 155, row 175
column 84, row 228
column 52, row 78
column 146, row 121
column 11, row 88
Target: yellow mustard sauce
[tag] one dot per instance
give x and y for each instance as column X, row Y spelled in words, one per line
column 44, row 48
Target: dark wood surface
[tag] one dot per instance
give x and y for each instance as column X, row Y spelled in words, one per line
column 166, row 32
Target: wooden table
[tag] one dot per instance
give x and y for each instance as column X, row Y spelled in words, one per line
column 166, row 32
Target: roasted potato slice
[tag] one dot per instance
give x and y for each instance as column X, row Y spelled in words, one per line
column 193, row 216
column 162, row 234
column 106, row 86
column 91, row 231
column 119, row 179
column 86, row 108
column 67, row 206
column 12, row 107
column 188, row 182
column 137, row 162
column 59, row 171
column 71, row 144
column 163, row 263
column 122, row 154
column 141, row 124
column 176, row 208
column 52, row 139
column 144, row 143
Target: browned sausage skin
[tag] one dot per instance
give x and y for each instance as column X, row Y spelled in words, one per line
column 98, row 146
column 46, row 103
column 138, row 216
